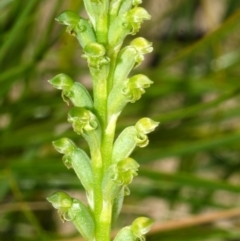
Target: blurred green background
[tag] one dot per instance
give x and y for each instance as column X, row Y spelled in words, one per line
column 190, row 169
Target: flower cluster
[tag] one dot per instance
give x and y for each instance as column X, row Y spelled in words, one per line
column 107, row 172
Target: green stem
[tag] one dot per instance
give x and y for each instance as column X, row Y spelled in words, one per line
column 101, row 233
column 105, row 220
column 102, row 214
column 100, row 99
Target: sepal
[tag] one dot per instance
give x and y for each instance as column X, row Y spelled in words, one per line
column 71, row 209
column 74, row 91
column 77, row 159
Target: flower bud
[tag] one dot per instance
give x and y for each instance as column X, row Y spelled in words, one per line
column 85, row 123
column 61, row 82
column 136, row 231
column 64, row 145
column 131, row 137
column 74, row 91
column 131, row 90
column 135, row 86
column 143, row 127
column 135, row 17
column 95, row 55
column 126, row 143
column 138, row 15
column 77, row 159
column 82, row 120
column 127, row 21
column 141, row 226
column 125, row 171
column 77, row 26
column 128, row 164
column 95, row 50
column 118, row 176
column 130, row 57
column 71, row 209
column 146, row 125
column 61, row 201
column 142, row 45
column 68, row 18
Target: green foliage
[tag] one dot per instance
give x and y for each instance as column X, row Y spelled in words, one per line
column 195, row 96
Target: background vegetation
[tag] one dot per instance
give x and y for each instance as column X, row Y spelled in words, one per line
column 189, row 179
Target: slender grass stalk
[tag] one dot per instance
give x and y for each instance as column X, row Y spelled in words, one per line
column 109, row 170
